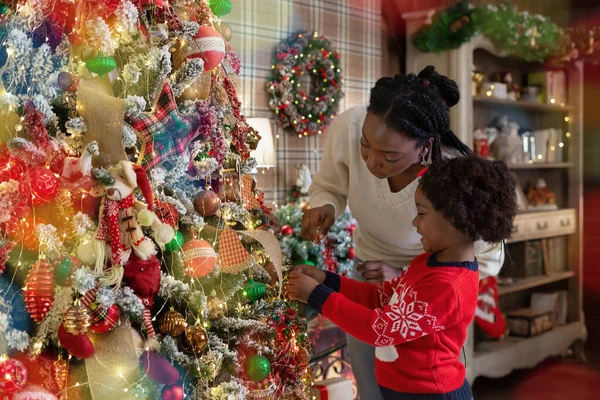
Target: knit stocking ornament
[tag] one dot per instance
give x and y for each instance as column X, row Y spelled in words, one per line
column 488, row 316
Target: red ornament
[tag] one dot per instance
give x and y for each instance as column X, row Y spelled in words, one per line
column 13, row 376
column 79, row 346
column 207, row 203
column 166, row 212
column 159, row 369
column 39, row 290
column 207, row 45
column 287, row 230
column 104, row 319
column 351, row 254
column 44, row 185
column 174, row 392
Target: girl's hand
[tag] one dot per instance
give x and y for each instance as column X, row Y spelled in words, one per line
column 377, row 272
column 300, row 286
column 313, row 272
column 316, row 222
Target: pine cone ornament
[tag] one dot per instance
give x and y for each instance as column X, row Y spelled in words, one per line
column 39, row 290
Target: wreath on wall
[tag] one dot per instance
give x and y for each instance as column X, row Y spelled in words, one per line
column 308, row 112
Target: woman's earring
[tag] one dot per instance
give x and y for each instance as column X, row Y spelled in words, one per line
column 424, row 160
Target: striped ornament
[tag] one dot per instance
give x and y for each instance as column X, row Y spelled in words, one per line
column 207, row 45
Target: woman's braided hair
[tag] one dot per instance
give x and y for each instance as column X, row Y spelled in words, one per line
column 418, row 106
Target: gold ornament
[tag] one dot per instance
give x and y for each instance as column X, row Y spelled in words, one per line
column 215, row 307
column 77, row 319
column 225, row 31
column 60, row 371
column 195, row 339
column 172, row 323
column 200, row 88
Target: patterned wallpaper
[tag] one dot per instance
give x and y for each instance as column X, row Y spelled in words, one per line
column 353, row 27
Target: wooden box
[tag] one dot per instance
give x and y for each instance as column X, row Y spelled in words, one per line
column 524, row 260
column 555, row 302
column 528, row 322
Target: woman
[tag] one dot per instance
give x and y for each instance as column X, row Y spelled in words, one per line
column 372, row 157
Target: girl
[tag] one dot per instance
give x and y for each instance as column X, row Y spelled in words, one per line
column 371, row 161
column 419, row 320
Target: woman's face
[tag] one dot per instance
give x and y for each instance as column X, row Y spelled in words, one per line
column 386, row 151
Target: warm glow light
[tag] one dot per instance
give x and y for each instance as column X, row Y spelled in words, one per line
column 568, row 134
column 561, row 144
column 567, row 119
column 552, row 101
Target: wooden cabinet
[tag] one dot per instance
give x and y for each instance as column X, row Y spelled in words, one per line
column 560, row 229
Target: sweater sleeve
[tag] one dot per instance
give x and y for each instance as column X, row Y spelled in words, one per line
column 330, row 182
column 490, row 258
column 367, row 294
column 421, row 310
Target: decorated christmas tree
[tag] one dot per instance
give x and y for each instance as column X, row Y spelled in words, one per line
column 335, row 253
column 137, row 258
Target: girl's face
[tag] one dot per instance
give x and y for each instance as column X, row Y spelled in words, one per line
column 437, row 233
column 388, row 152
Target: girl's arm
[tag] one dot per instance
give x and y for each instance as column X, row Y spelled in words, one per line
column 366, row 294
column 421, row 310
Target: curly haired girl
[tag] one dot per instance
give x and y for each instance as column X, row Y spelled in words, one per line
column 419, row 320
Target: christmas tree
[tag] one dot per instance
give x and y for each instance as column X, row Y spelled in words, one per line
column 335, row 253
column 137, row 258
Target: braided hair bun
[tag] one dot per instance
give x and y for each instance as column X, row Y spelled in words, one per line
column 446, row 87
column 418, row 107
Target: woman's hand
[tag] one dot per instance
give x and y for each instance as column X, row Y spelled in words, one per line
column 314, row 272
column 300, row 286
column 377, row 272
column 317, row 221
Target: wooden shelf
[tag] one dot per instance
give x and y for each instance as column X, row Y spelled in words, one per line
column 522, row 105
column 528, row 283
column 497, row 359
column 563, row 165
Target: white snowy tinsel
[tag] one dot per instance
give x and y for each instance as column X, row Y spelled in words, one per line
column 76, row 126
column 82, row 224
column 41, row 104
column 105, row 297
column 157, row 176
column 83, row 280
column 135, row 105
column 99, row 36
column 47, row 234
column 129, row 138
column 129, row 302
column 127, row 15
column 131, row 74
column 3, row 322
column 17, row 340
column 8, row 103
column 172, row 288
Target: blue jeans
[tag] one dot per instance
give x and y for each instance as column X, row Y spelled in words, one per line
column 362, row 359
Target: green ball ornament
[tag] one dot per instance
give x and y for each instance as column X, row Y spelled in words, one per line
column 254, row 290
column 220, row 7
column 258, row 368
column 175, row 243
column 307, row 262
column 3, row 8
column 101, row 64
column 63, row 271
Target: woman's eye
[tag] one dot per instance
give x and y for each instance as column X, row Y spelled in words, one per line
column 392, row 161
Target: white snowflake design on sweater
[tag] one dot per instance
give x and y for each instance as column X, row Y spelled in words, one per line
column 407, row 316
